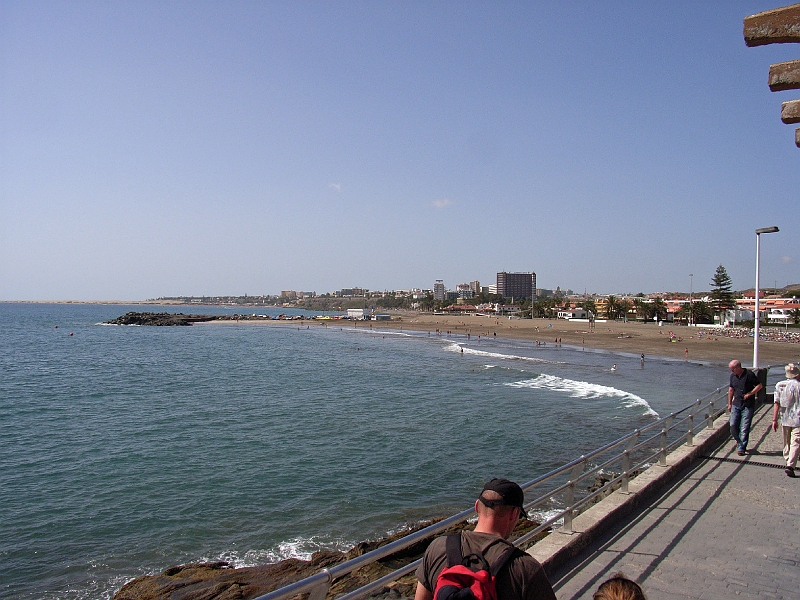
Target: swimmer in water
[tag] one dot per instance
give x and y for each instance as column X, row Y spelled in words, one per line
column 614, row 368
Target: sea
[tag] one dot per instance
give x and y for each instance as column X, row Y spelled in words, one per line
column 125, row 450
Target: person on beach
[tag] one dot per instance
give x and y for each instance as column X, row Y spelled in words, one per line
column 499, row 507
column 787, row 403
column 744, row 385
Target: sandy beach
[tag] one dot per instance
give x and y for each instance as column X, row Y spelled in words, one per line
column 691, row 343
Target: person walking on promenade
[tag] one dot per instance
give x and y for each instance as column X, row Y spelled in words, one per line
column 787, row 402
column 499, row 507
column 744, row 385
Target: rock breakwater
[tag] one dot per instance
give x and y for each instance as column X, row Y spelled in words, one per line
column 165, row 319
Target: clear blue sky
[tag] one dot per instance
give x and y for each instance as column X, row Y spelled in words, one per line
column 187, row 148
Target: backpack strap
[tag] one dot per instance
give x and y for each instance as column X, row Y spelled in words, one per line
column 453, row 546
column 455, row 557
column 501, row 561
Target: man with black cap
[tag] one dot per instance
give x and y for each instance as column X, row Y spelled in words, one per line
column 499, row 507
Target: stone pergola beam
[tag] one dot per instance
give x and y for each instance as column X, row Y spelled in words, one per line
column 790, row 112
column 777, row 26
column 784, row 76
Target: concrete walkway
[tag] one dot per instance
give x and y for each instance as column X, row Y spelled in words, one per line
column 729, row 529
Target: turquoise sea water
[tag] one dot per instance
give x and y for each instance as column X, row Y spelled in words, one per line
column 125, row 450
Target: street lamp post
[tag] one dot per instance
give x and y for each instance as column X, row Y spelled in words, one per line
column 772, row 229
column 690, row 297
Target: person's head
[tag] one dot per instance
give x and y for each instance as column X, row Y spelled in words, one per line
column 736, row 367
column 499, row 506
column 792, row 371
column 619, row 587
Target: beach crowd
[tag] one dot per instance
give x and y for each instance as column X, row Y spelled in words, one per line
column 774, row 334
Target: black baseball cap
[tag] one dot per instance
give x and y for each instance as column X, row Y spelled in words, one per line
column 510, row 494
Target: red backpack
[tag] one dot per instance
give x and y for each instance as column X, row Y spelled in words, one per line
column 470, row 577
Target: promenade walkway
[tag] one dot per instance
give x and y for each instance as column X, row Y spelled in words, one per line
column 730, row 528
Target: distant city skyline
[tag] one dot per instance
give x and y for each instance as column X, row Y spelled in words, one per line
column 162, row 149
column 358, row 291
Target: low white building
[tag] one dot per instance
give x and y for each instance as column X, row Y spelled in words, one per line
column 357, row 314
column 573, row 313
column 732, row 317
column 781, row 316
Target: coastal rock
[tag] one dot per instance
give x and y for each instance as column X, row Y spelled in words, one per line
column 215, row 580
column 163, row 319
column 220, row 581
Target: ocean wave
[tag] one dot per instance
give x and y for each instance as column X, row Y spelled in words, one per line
column 543, row 515
column 458, row 348
column 584, row 390
column 300, row 548
column 378, row 332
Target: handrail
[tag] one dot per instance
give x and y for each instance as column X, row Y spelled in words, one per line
column 667, row 432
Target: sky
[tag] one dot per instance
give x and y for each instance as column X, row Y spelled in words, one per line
column 152, row 149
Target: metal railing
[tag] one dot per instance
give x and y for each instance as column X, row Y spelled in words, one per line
column 562, row 493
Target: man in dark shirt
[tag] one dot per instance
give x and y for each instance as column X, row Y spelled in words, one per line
column 499, row 508
column 744, row 385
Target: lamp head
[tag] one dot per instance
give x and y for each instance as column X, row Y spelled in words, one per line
column 772, row 229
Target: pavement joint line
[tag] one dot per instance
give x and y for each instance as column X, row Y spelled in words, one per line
column 744, row 462
column 634, row 553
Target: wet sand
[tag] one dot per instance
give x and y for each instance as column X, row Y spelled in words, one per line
column 692, row 343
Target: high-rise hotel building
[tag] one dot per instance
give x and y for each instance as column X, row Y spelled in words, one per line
column 438, row 290
column 516, row 285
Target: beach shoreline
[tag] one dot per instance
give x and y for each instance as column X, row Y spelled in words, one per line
column 696, row 344
column 690, row 343
column 668, row 340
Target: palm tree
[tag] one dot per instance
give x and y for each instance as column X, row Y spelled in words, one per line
column 623, row 307
column 548, row 304
column 659, row 309
column 611, row 307
column 702, row 312
column 427, row 302
column 642, row 308
column 543, row 307
column 684, row 312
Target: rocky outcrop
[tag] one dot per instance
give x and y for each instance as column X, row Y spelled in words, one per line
column 165, row 319
column 220, row 581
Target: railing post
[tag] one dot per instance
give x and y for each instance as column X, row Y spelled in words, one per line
column 569, row 496
column 626, row 461
column 662, row 459
column 319, row 592
column 690, row 433
column 710, row 422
